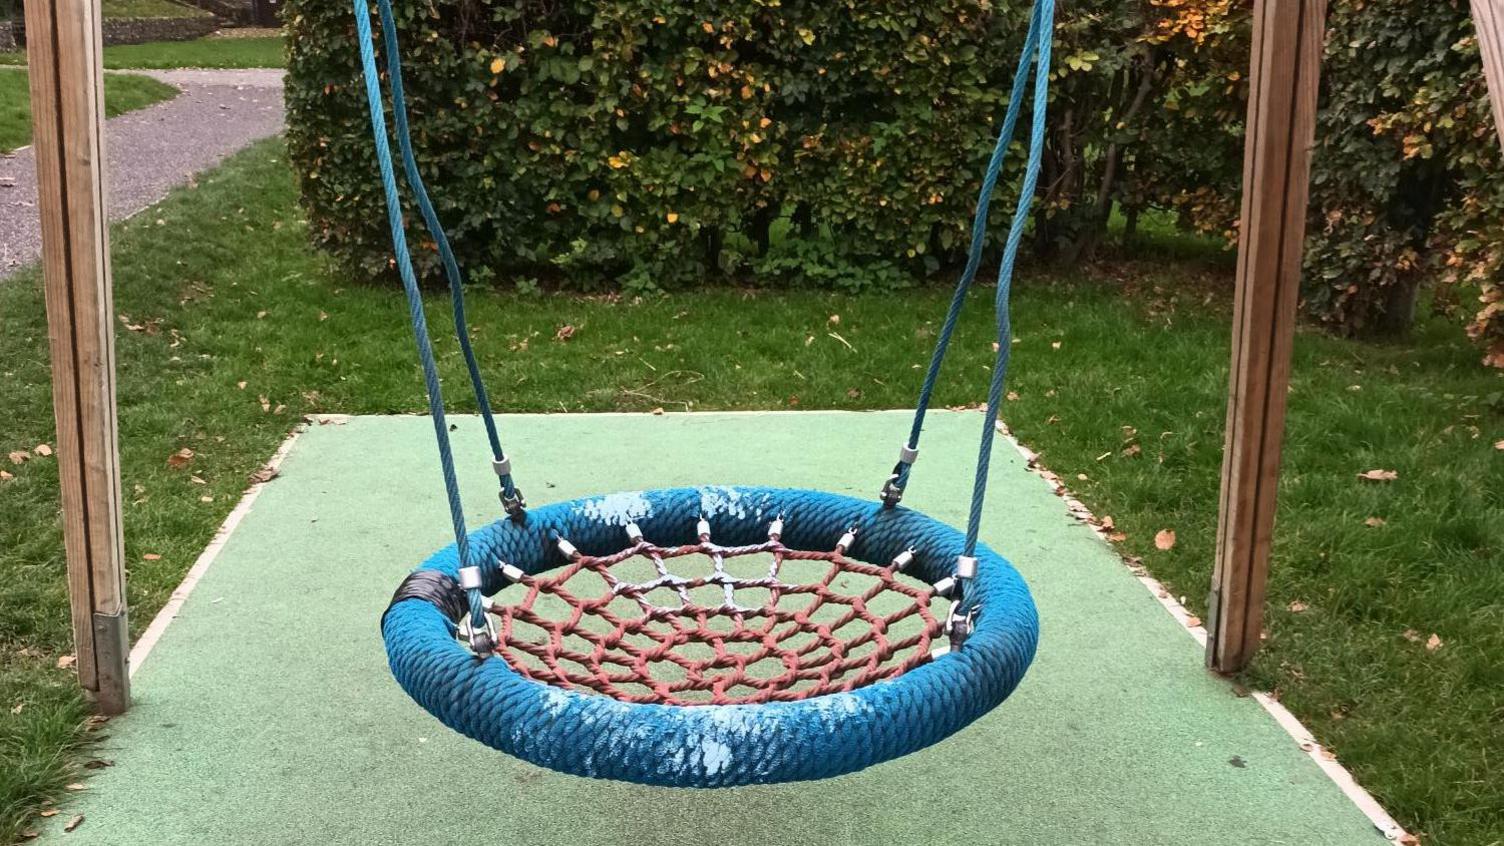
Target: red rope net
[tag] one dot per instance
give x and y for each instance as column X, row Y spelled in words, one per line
column 735, row 625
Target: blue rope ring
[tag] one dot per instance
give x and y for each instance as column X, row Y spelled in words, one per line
column 710, row 745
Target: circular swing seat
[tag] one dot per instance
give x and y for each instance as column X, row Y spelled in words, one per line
column 710, row 637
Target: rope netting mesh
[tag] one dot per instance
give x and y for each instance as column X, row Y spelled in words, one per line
column 704, row 624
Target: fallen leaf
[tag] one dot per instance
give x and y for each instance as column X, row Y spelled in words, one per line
column 1193, row 621
column 1379, row 475
column 74, row 823
column 1132, row 451
column 50, row 812
column 834, row 320
column 206, row 499
column 1374, row 522
column 240, row 385
column 1433, row 643
column 1296, row 606
column 1117, row 537
column 66, row 661
column 1107, row 522
column 97, row 764
column 564, row 333
column 854, row 393
column 265, row 474
column 658, row 411
column 260, row 315
column 1498, row 444
column 19, row 456
column 1164, row 539
column 1412, row 635
column 180, row 458
column 43, row 450
column 5, row 476
column 1013, row 396
column 19, row 707
column 323, row 315
column 77, row 785
column 197, row 480
column 266, row 404
column 151, row 556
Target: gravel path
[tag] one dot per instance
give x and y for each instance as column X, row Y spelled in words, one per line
column 152, row 150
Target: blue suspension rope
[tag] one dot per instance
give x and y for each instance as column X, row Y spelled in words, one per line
column 446, row 254
column 414, row 300
column 1036, row 53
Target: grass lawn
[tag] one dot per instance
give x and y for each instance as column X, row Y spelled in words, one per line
column 209, row 52
column 150, row 9
column 122, row 94
column 230, row 329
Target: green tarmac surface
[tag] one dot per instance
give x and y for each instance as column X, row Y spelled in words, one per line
column 266, row 714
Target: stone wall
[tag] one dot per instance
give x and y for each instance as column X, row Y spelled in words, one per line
column 7, row 36
column 138, row 30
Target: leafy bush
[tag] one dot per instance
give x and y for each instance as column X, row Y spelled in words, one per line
column 653, row 143
column 1405, row 189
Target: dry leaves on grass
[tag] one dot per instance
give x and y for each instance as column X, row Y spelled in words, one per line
column 1164, row 539
column 6, row 476
column 74, row 823
column 1379, row 475
column 151, row 556
column 1296, row 606
column 564, row 333
column 19, row 456
column 1374, row 522
column 180, row 459
column 66, row 662
column 43, row 450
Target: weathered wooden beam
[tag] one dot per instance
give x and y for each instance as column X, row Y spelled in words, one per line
column 67, row 102
column 1488, row 20
column 1284, row 78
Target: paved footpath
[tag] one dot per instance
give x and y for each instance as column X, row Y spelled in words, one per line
column 151, row 150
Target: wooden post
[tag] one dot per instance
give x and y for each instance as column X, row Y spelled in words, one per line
column 1488, row 19
column 1285, row 74
column 67, row 86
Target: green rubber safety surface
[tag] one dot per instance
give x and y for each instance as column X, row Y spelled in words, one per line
column 266, row 713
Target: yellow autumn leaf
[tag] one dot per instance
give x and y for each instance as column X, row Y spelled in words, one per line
column 673, row 217
column 497, row 65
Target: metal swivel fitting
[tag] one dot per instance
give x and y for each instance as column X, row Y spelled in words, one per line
column 514, row 505
column 959, row 626
column 482, row 641
column 892, row 493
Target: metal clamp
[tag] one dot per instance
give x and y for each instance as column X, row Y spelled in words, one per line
column 567, row 549
column 775, row 529
column 470, row 578
column 634, row 533
column 902, row 560
column 846, row 540
column 511, row 572
column 702, row 530
column 502, row 465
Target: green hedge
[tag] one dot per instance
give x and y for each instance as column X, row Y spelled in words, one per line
column 649, row 143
